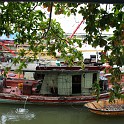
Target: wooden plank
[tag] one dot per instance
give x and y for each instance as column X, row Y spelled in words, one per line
column 90, row 105
column 97, row 105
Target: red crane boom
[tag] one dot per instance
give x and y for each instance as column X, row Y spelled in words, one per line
column 11, row 51
column 76, row 28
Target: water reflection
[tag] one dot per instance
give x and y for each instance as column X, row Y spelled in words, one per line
column 15, row 115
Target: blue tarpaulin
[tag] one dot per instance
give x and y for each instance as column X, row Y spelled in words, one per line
column 11, row 37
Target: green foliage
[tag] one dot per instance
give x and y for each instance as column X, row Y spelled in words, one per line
column 96, row 90
column 115, row 92
column 37, row 30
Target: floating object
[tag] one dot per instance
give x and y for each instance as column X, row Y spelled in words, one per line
column 104, row 107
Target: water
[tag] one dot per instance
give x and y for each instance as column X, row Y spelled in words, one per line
column 17, row 114
column 25, row 101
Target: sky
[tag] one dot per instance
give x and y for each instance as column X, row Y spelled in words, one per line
column 69, row 24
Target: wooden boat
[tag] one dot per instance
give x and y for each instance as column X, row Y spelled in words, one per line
column 53, row 85
column 104, row 107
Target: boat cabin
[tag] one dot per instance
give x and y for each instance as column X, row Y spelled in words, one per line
column 66, row 80
column 56, row 81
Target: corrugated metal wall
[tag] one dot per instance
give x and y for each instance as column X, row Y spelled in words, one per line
column 64, row 84
column 50, row 80
column 63, row 81
column 87, row 82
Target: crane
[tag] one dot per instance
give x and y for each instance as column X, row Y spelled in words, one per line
column 11, row 51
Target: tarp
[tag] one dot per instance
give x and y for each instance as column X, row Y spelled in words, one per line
column 11, row 37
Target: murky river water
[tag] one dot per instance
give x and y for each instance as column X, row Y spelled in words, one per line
column 15, row 114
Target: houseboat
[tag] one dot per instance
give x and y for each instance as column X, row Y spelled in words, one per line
column 53, row 85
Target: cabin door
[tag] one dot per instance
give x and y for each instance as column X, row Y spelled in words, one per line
column 76, row 84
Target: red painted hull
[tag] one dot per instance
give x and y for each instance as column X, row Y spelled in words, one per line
column 42, row 100
column 14, row 96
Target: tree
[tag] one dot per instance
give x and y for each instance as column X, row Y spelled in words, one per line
column 35, row 28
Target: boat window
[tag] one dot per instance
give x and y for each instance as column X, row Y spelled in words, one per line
column 38, row 76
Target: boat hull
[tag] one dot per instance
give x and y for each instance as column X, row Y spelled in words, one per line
column 110, row 113
column 48, row 100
